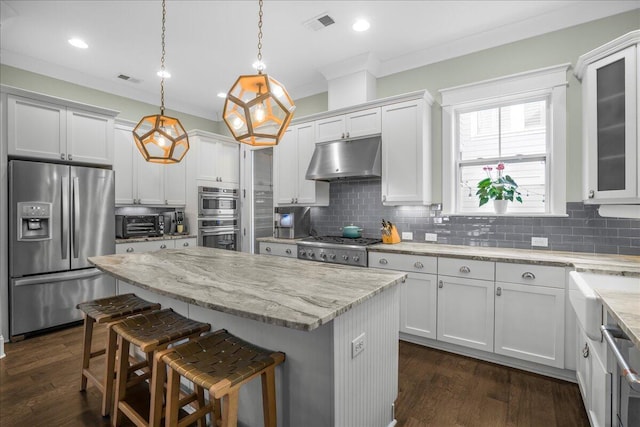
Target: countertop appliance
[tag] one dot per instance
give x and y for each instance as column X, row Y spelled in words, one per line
column 354, row 159
column 336, row 249
column 218, row 219
column 150, row 225
column 291, row 222
column 175, row 222
column 60, row 215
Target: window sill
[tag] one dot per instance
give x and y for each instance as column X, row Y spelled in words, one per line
column 517, row 215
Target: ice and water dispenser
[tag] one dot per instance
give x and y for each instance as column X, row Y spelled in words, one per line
column 34, row 221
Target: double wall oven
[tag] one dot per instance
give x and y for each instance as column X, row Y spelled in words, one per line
column 218, row 218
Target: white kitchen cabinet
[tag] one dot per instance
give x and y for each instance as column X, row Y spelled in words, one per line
column 291, row 159
column 155, row 245
column 45, row 128
column 142, row 182
column 406, row 152
column 218, row 158
column 610, row 94
column 279, row 249
column 418, row 295
column 351, row 125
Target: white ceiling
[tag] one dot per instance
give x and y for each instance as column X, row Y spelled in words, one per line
column 209, row 42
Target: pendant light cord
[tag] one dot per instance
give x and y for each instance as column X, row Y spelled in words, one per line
column 260, row 65
column 164, row 17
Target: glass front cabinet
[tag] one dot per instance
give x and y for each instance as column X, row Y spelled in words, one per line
column 610, row 123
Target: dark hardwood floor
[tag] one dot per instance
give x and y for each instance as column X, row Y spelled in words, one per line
column 39, row 383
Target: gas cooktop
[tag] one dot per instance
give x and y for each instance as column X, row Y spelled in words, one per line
column 339, row 240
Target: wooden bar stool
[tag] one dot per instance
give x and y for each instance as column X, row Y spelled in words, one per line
column 104, row 311
column 219, row 363
column 151, row 332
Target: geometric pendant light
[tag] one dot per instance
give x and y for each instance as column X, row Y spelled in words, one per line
column 161, row 139
column 258, row 108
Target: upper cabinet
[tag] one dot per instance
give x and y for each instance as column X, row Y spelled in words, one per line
column 351, row 125
column 406, row 152
column 139, row 182
column 43, row 127
column 611, row 154
column 291, row 159
column 218, row 158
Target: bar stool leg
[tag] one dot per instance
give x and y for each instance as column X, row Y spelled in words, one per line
column 109, row 372
column 230, row 409
column 202, row 421
column 158, row 375
column 121, row 379
column 269, row 397
column 173, row 391
column 86, row 348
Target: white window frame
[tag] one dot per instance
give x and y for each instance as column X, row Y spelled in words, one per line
column 549, row 81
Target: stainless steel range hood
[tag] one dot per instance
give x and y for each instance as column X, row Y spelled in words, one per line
column 354, row 159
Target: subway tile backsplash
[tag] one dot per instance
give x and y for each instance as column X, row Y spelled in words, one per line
column 583, row 230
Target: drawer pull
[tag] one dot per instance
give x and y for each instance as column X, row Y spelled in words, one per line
column 383, row 261
column 268, row 249
column 129, row 249
column 499, row 291
column 288, row 251
column 185, row 244
column 585, row 350
column 528, row 275
column 418, row 264
column 163, row 246
column 440, row 284
column 465, row 269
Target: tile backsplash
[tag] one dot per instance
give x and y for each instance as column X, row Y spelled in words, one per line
column 583, row 230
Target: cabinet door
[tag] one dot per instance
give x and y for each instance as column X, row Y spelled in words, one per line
column 404, row 154
column 206, row 159
column 529, row 323
column 175, row 183
column 611, row 126
column 89, row 138
column 418, row 305
column 583, row 366
column 363, row 123
column 228, row 162
column 285, row 172
column 305, row 144
column 36, row 129
column 123, row 162
column 600, row 408
column 330, row 129
column 465, row 312
column 149, row 182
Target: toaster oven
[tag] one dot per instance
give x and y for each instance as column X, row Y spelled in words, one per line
column 139, row 226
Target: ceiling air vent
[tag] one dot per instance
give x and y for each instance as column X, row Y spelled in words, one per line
column 319, row 22
column 128, row 78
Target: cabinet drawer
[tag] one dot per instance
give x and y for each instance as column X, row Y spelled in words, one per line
column 191, row 242
column 459, row 267
column 279, row 249
column 141, row 247
column 402, row 262
column 527, row 274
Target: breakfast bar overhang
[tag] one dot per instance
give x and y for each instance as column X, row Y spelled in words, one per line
column 313, row 312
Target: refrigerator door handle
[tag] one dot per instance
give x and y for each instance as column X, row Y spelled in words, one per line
column 76, row 216
column 57, row 277
column 65, row 216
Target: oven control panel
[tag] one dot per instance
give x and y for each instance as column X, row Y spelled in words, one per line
column 334, row 255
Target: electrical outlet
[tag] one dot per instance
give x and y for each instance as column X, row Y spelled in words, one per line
column 407, row 235
column 430, row 237
column 540, row 241
column 357, row 345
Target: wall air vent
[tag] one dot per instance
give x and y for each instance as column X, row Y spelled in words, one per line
column 128, row 78
column 319, row 22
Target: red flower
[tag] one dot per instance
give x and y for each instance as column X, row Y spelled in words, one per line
column 500, row 166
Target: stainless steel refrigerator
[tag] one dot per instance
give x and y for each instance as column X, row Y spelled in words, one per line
column 59, row 215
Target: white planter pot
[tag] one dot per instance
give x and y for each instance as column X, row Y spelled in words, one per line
column 500, row 206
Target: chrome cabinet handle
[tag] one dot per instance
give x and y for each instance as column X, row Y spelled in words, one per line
column 383, row 261
column 163, row 246
column 347, row 134
column 342, row 135
column 288, row 251
column 592, row 194
column 384, row 198
column 404, row 279
column 609, row 333
column 499, row 291
column 62, row 156
column 69, row 156
column 528, row 275
column 129, row 249
column 585, row 350
column 185, row 244
column 418, row 264
column 166, row 202
column 268, row 249
column 440, row 284
column 465, row 269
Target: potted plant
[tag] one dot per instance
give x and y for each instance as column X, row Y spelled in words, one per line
column 501, row 190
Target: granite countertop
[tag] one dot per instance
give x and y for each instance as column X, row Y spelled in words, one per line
column 624, row 306
column 152, row 239
column 281, row 291
column 279, row 240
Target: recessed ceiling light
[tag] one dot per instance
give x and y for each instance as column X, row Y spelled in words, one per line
column 80, row 44
column 361, row 25
column 222, row 94
column 164, row 74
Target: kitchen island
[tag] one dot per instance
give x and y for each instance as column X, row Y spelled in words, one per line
column 311, row 311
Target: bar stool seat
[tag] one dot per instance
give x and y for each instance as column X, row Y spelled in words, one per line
column 103, row 311
column 151, row 332
column 219, row 363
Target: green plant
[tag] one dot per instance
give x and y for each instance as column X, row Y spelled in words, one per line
column 501, row 188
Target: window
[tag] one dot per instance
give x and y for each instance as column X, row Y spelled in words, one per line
column 516, row 120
